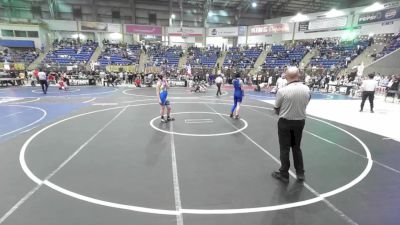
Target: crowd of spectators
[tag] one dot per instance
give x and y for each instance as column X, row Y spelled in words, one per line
column 281, row 55
column 18, row 55
column 164, row 55
column 337, row 55
column 392, row 46
column 242, row 57
column 119, row 54
column 70, row 52
column 203, row 57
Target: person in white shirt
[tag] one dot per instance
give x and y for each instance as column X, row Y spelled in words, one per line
column 281, row 82
column 43, row 81
column 269, row 83
column 368, row 91
column 218, row 82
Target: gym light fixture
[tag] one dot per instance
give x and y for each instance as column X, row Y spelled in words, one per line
column 374, row 7
column 173, row 16
column 299, row 18
column 334, row 13
column 254, row 4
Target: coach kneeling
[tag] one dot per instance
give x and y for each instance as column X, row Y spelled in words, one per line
column 291, row 103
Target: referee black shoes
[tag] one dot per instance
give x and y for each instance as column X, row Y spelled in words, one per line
column 279, row 176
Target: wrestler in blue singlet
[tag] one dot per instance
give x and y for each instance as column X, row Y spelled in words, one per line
column 238, row 94
column 163, row 93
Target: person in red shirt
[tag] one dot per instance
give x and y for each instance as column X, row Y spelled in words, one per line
column 137, row 81
column 36, row 74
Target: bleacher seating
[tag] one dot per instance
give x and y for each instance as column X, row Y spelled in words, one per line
column 199, row 57
column 281, row 56
column 116, row 54
column 162, row 55
column 241, row 59
column 71, row 53
column 338, row 56
column 393, row 45
column 26, row 56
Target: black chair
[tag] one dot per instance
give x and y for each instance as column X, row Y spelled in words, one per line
column 392, row 94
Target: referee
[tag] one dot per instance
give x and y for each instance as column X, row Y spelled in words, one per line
column 290, row 105
column 218, row 82
column 368, row 91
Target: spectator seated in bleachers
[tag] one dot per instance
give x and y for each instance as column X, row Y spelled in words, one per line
column 242, row 57
column 281, row 56
column 70, row 52
column 164, row 55
column 392, row 46
column 337, row 55
column 119, row 54
column 203, row 57
column 18, row 55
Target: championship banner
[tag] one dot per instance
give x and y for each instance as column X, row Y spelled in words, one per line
column 143, row 29
column 223, row 32
column 185, row 31
column 269, row 29
column 379, row 16
column 102, row 27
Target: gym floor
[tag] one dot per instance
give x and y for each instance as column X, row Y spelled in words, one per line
column 98, row 155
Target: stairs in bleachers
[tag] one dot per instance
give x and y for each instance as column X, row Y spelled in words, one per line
column 182, row 61
column 142, row 61
column 260, row 60
column 386, row 66
column 221, row 59
column 95, row 57
column 365, row 57
column 307, row 58
column 35, row 64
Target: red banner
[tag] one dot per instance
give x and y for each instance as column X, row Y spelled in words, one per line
column 143, row 29
column 269, row 29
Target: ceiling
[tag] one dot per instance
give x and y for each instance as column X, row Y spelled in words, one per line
column 277, row 8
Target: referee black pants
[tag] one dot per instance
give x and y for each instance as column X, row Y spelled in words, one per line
column 370, row 95
column 219, row 89
column 44, row 85
column 290, row 133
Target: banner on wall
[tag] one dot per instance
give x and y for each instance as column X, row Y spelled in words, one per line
column 327, row 23
column 114, row 28
column 269, row 29
column 102, row 27
column 143, row 29
column 185, row 31
column 223, row 32
column 379, row 16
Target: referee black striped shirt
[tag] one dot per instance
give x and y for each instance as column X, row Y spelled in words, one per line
column 292, row 101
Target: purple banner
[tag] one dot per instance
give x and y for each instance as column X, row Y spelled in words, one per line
column 143, row 29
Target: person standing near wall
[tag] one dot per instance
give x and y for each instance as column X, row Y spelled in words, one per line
column 368, row 88
column 291, row 103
